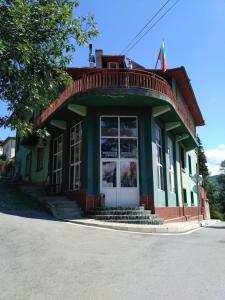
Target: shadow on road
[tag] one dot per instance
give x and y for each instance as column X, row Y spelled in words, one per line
column 15, row 202
column 33, row 214
column 216, row 227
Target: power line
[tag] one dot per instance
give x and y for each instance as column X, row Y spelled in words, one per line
column 143, row 28
column 154, row 24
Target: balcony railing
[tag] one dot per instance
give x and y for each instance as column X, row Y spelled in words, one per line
column 122, row 78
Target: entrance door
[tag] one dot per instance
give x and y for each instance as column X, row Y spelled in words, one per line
column 119, row 161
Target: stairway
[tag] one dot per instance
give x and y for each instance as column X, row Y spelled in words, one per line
column 130, row 215
column 59, row 206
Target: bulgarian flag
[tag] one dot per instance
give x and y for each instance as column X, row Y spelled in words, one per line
column 162, row 57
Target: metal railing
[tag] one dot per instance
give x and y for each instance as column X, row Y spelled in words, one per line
column 119, row 78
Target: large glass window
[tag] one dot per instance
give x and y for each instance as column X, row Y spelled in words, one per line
column 159, row 154
column 171, row 165
column 75, row 156
column 182, row 158
column 40, row 159
column 109, row 174
column 128, row 174
column 57, row 163
column 119, row 151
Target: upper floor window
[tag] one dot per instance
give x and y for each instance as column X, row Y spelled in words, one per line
column 171, row 165
column 159, row 154
column 182, row 158
column 113, row 65
column 189, row 165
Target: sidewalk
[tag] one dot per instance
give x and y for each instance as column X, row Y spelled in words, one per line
column 178, row 227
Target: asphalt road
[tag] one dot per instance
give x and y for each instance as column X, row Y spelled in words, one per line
column 41, row 258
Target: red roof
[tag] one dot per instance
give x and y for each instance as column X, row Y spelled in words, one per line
column 184, row 85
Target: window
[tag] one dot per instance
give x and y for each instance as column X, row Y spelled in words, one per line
column 119, row 151
column 192, row 199
column 28, row 164
column 57, row 163
column 113, row 65
column 17, row 143
column 185, row 197
column 182, row 158
column 171, row 165
column 159, row 155
column 75, row 156
column 40, row 159
column 189, row 165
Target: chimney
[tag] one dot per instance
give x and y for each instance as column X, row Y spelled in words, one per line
column 91, row 57
column 98, row 58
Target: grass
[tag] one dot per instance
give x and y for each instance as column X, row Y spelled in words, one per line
column 12, row 198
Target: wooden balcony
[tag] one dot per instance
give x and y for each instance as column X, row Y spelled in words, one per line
column 119, row 78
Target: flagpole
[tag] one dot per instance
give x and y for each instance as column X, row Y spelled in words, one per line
column 157, row 59
column 156, row 63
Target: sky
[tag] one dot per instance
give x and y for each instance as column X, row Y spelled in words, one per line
column 194, row 36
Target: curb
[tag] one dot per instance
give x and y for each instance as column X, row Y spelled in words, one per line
column 175, row 228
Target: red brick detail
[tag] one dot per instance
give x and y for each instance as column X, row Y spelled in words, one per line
column 92, row 202
column 148, row 202
column 176, row 214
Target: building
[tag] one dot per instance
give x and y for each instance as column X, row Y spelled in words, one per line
column 7, row 150
column 122, row 136
column 1, row 148
column 8, row 147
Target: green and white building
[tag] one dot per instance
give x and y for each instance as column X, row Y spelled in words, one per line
column 119, row 137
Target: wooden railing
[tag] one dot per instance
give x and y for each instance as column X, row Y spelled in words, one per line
column 122, row 78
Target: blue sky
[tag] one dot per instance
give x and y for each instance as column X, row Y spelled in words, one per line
column 194, row 34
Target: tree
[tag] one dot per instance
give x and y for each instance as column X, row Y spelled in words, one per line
column 210, row 187
column 37, row 40
column 221, row 183
column 202, row 160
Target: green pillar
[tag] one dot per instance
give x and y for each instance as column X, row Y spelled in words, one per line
column 93, row 153
column 145, row 153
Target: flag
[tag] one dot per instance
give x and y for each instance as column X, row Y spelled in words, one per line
column 162, row 57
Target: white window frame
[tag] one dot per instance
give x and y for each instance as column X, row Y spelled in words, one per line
column 170, row 149
column 55, row 170
column 116, row 64
column 119, row 158
column 159, row 154
column 76, row 185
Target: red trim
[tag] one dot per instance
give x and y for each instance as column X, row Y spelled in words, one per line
column 120, row 78
column 184, row 85
column 179, row 213
column 148, row 202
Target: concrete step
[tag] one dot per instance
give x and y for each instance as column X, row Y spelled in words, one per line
column 133, row 215
column 67, row 209
column 69, row 216
column 122, row 212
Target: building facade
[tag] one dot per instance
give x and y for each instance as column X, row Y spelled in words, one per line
column 8, row 147
column 120, row 137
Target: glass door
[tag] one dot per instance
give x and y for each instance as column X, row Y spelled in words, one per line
column 119, row 160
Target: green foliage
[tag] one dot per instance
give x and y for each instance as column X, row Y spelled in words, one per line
column 214, row 196
column 202, row 160
column 2, row 158
column 221, row 182
column 38, row 38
